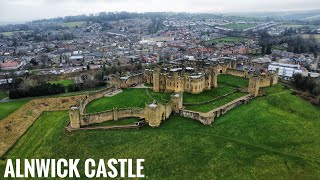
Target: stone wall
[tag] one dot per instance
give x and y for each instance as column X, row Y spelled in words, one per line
column 209, row 117
column 153, row 113
column 238, row 73
column 83, row 102
column 110, row 115
column 258, row 81
column 126, row 82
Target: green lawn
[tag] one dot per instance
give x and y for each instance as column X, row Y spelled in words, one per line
column 148, row 84
column 66, row 82
column 128, row 98
column 239, row 26
column 3, row 94
column 207, row 95
column 232, row 81
column 7, row 33
column 229, row 40
column 272, row 137
column 7, row 108
column 215, row 104
column 226, row 84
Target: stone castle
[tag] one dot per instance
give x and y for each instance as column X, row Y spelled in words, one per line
column 176, row 80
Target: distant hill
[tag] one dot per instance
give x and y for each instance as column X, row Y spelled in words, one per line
column 308, row 15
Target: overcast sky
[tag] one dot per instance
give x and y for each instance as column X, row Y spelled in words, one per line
column 24, row 10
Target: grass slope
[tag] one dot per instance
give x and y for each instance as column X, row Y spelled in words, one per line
column 232, row 81
column 272, row 137
column 7, row 108
column 3, row 94
column 64, row 82
column 217, row 103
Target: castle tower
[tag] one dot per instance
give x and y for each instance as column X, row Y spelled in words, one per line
column 177, row 101
column 253, row 87
column 156, row 79
column 246, row 73
column 274, row 77
column 74, row 115
column 214, row 78
column 233, row 65
column 154, row 114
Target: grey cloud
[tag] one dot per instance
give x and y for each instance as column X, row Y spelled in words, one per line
column 19, row 10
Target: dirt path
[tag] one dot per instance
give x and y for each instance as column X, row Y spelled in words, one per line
column 16, row 124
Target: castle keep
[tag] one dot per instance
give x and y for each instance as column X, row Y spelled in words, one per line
column 183, row 80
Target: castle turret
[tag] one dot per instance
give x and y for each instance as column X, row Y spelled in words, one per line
column 253, row 87
column 214, row 78
column 156, row 80
column 177, row 101
column 74, row 115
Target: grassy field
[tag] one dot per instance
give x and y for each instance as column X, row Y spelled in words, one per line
column 7, row 108
column 239, row 26
column 226, row 84
column 272, row 137
column 128, row 98
column 148, row 85
column 307, row 36
column 72, row 24
column 7, row 33
column 64, row 82
column 229, row 40
column 278, row 47
column 233, row 81
column 215, row 104
column 3, row 94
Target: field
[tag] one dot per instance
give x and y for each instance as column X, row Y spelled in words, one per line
column 215, row 104
column 3, row 94
column 317, row 36
column 64, row 82
column 239, row 26
column 226, row 84
column 7, row 108
column 128, row 98
column 72, row 24
column 229, row 40
column 7, row 33
column 272, row 137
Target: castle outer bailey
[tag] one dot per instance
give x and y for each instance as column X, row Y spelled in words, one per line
column 173, row 80
column 154, row 113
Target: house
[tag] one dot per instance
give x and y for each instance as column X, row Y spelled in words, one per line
column 11, row 65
